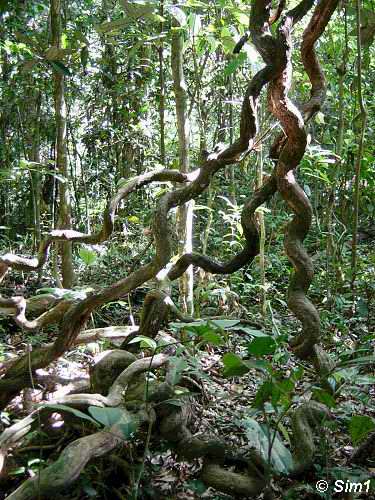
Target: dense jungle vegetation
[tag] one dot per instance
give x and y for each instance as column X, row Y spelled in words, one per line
column 187, row 224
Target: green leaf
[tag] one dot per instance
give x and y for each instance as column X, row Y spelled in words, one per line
column 242, row 18
column 364, row 380
column 177, row 366
column 106, row 416
column 111, row 416
column 60, row 68
column 362, row 308
column 199, row 330
column 319, row 118
column 68, row 409
column 174, row 402
column 54, row 291
column 197, row 486
column 139, row 8
column 220, row 323
column 262, row 346
column 258, row 436
column 233, row 365
column 264, row 394
column 87, row 255
column 178, row 14
column 17, row 471
column 251, row 331
column 212, row 337
column 364, row 360
column 109, row 26
column 182, row 326
column 145, row 341
column 64, row 40
column 128, row 427
column 235, row 63
column 134, row 219
column 324, row 397
column 359, row 427
column 225, row 323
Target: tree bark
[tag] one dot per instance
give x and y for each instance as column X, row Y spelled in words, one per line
column 184, row 212
column 161, row 89
column 65, row 221
column 358, row 161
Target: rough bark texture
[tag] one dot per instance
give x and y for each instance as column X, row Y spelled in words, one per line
column 287, row 152
column 65, row 221
column 184, row 212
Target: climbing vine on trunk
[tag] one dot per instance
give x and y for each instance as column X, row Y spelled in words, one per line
column 251, row 474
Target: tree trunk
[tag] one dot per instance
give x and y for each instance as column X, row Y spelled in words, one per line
column 358, row 161
column 185, row 212
column 332, row 261
column 161, row 90
column 61, row 150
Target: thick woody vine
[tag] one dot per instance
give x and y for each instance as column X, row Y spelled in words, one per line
column 250, row 474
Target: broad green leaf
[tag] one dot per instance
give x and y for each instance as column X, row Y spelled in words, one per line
column 145, row 341
column 242, row 18
column 362, row 308
column 359, row 427
column 57, row 292
column 178, row 14
column 212, row 337
column 364, row 380
column 251, row 331
column 262, row 346
column 197, row 486
column 64, row 40
column 319, row 118
column 235, row 63
column 196, row 3
column 68, row 409
column 177, row 366
column 87, row 255
column 199, row 330
column 106, row 416
column 263, row 394
column 174, row 402
column 17, row 471
column 324, row 397
column 182, row 326
column 220, row 323
column 225, row 323
column 233, row 365
column 60, row 68
column 128, row 426
column 227, row 40
column 139, row 8
column 111, row 416
column 134, row 219
column 260, row 436
column 364, row 360
column 195, row 23
column 109, row 26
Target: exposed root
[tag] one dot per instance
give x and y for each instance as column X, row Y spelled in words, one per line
column 75, row 319
column 306, row 418
column 16, row 306
column 233, row 483
column 289, row 152
column 68, row 467
column 365, row 451
column 250, row 476
column 58, row 235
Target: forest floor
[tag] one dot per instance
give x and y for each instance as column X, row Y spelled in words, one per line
column 220, row 406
